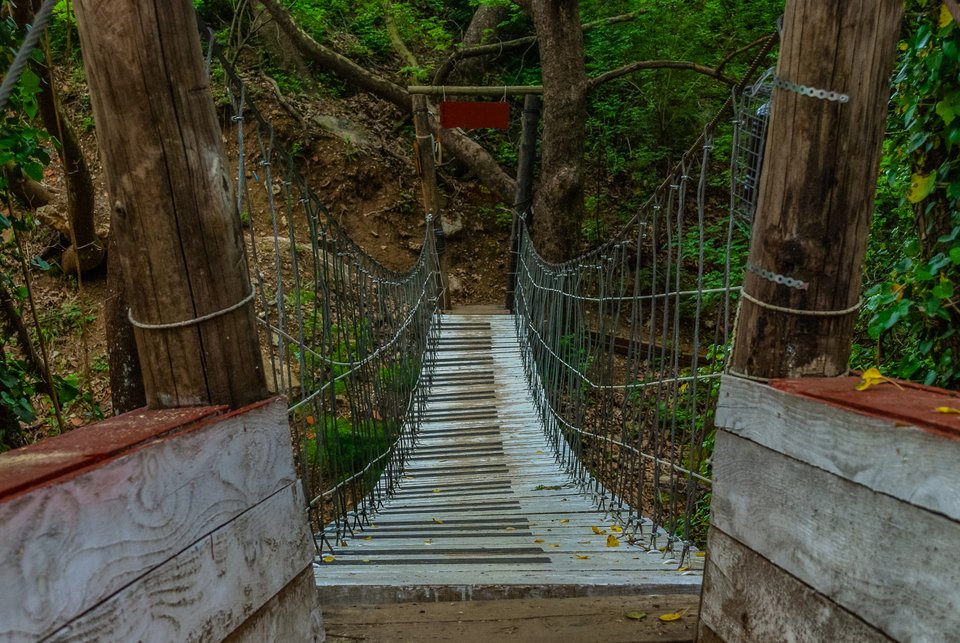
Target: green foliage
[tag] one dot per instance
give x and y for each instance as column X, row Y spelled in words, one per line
column 911, row 305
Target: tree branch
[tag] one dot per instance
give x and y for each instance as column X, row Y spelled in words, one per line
column 335, row 63
column 396, row 41
column 462, row 147
column 659, row 64
column 733, row 54
column 499, row 48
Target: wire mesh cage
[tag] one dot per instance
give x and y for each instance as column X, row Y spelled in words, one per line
column 752, row 110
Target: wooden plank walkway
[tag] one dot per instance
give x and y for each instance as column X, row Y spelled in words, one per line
column 485, row 511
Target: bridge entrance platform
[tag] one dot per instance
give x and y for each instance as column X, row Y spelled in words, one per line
column 484, row 510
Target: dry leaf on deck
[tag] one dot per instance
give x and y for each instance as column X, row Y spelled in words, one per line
column 598, row 531
column 612, row 541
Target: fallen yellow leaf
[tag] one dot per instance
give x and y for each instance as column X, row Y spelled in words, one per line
column 509, row 528
column 368, row 537
column 436, row 491
column 554, row 544
column 616, row 529
column 579, row 557
column 700, row 554
column 637, row 616
column 949, row 410
column 538, row 540
column 564, row 520
column 612, row 541
column 872, row 377
column 945, row 17
column 438, row 521
column 675, row 616
column 683, row 569
column 328, row 558
column 598, row 531
column 366, row 560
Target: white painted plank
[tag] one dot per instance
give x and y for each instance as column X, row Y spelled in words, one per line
column 890, row 563
column 902, row 461
column 208, row 590
column 68, row 546
column 749, row 599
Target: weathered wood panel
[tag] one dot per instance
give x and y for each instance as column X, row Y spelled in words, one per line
column 208, row 590
column 292, row 615
column 751, row 599
column 906, row 462
column 55, row 458
column 890, row 563
column 66, row 547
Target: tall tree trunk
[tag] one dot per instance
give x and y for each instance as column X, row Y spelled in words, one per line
column 175, row 220
column 558, row 206
column 87, row 252
column 126, row 376
column 481, row 30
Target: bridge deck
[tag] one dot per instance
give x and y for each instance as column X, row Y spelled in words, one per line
column 484, row 510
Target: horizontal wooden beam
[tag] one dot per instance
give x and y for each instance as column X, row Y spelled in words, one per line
column 448, row 90
column 72, row 542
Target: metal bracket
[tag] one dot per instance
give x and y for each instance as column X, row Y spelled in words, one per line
column 789, row 282
column 812, row 92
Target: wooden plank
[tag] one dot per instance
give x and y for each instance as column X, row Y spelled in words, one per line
column 747, row 598
column 906, row 402
column 292, row 615
column 523, row 621
column 906, row 462
column 53, row 458
column 888, row 562
column 209, row 589
column 68, row 546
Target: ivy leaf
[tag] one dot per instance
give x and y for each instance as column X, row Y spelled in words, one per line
column 944, row 289
column 949, row 107
column 955, row 255
column 921, row 186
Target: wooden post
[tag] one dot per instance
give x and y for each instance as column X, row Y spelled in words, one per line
column 428, row 180
column 817, row 188
column 524, row 201
column 173, row 213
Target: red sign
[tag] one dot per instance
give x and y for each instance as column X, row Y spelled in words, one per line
column 473, row 115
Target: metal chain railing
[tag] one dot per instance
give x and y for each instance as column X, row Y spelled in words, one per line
column 344, row 339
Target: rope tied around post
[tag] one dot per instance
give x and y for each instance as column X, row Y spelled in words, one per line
column 192, row 322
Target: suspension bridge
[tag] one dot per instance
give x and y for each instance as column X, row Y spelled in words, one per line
column 559, row 450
